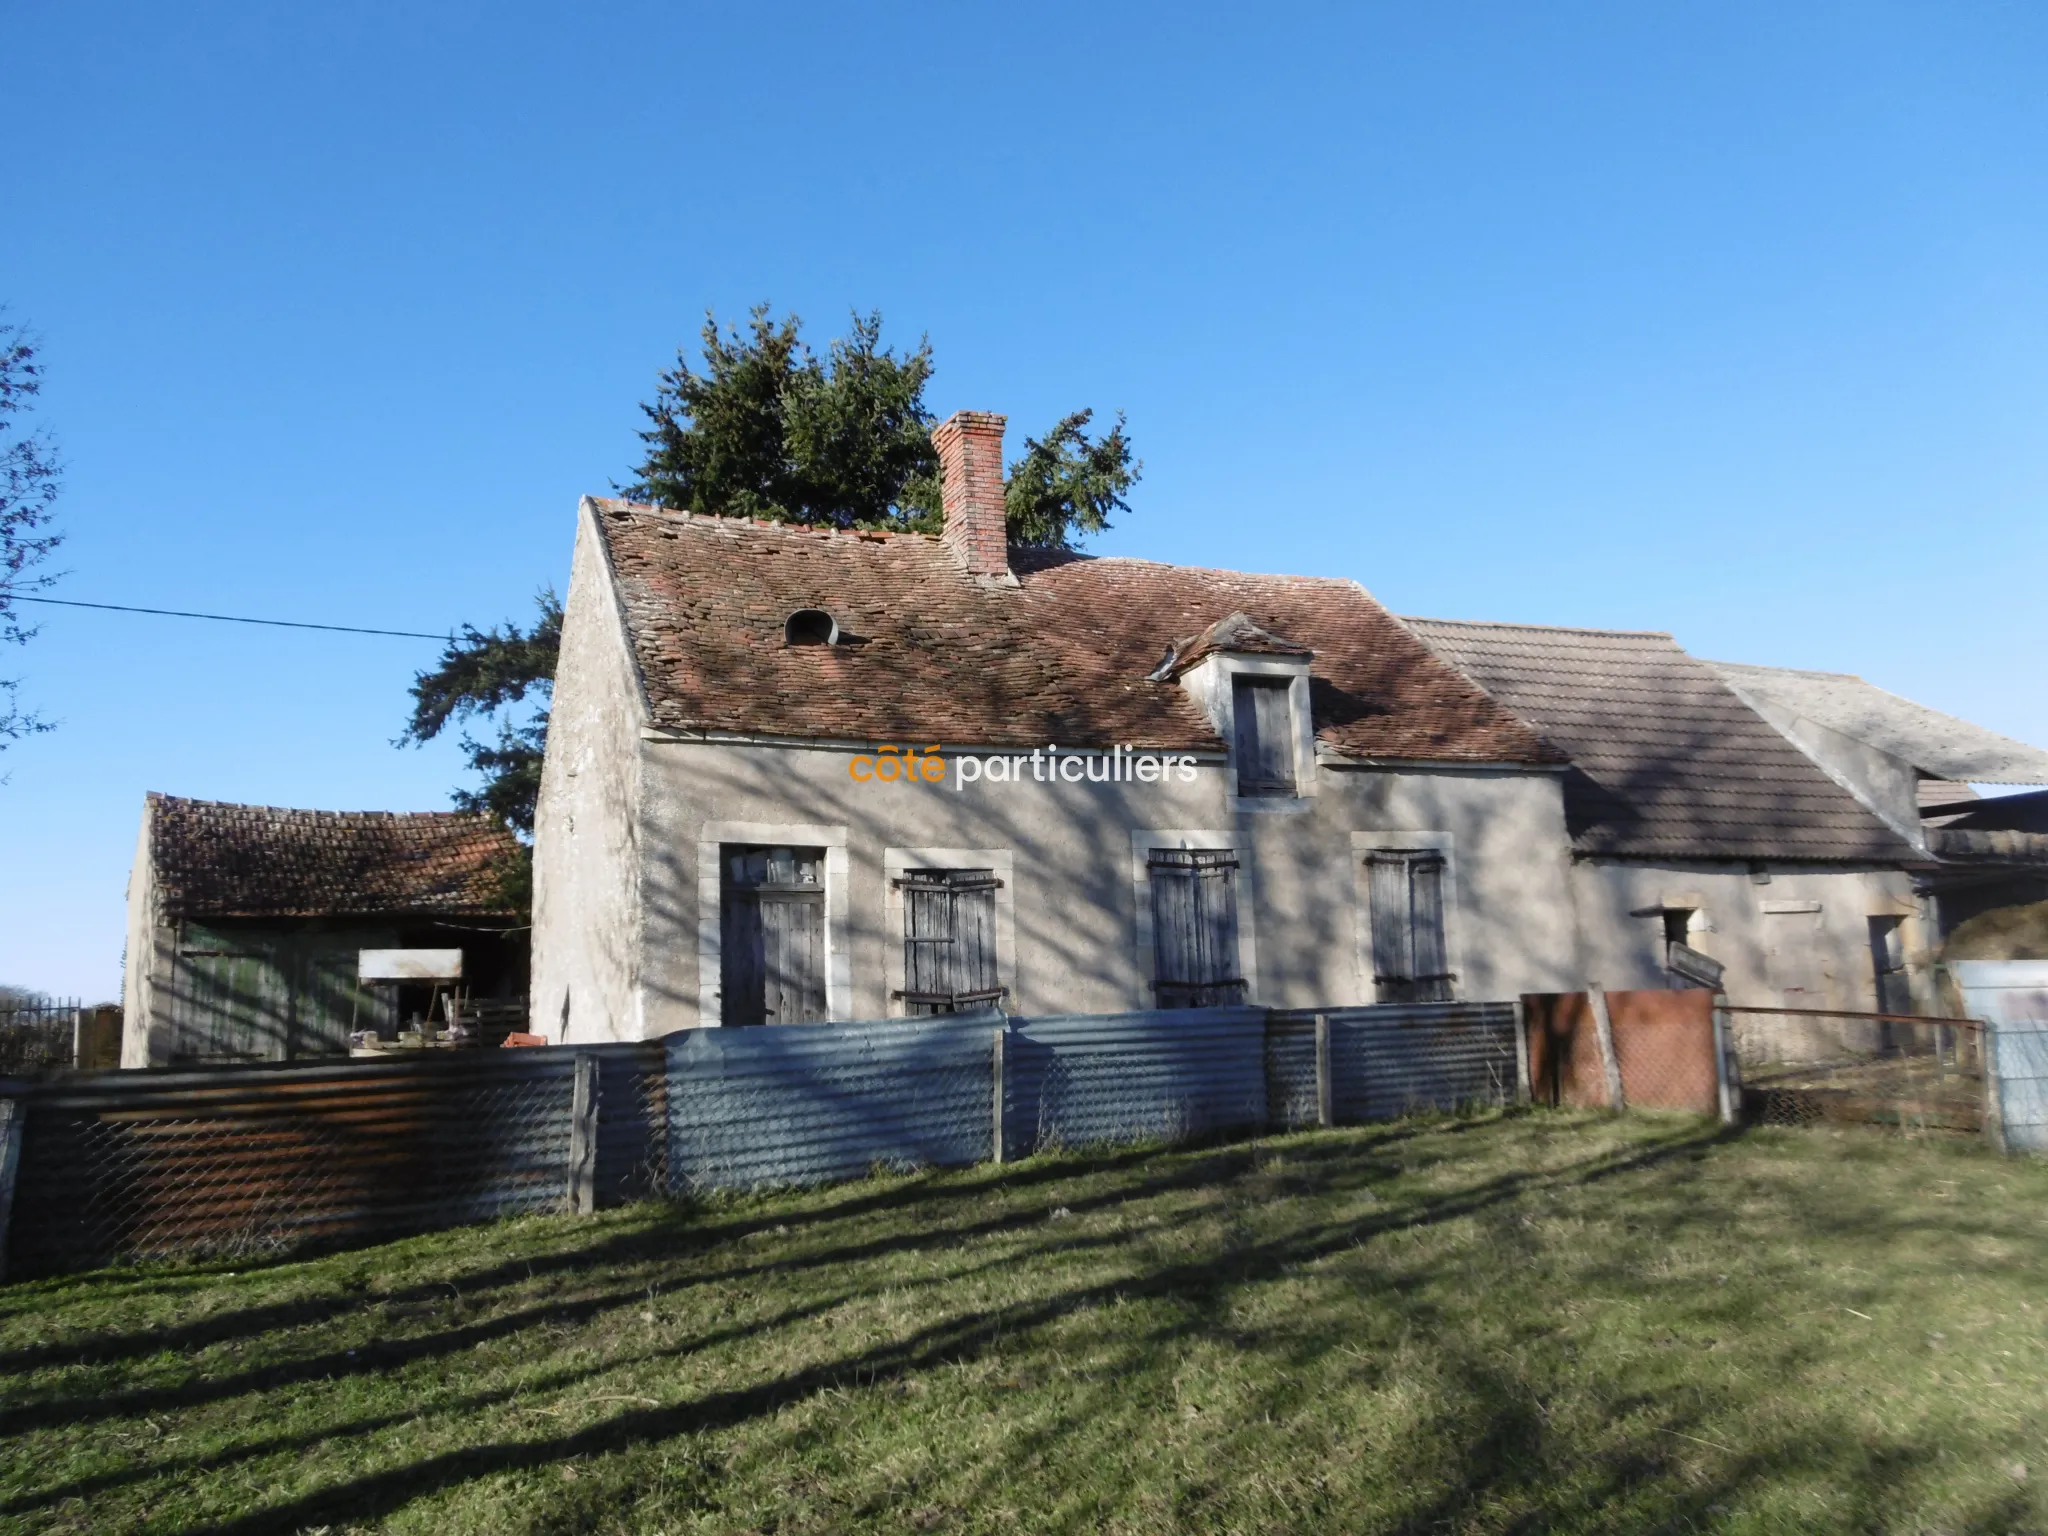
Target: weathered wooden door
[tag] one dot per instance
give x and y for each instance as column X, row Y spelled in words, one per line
column 949, row 940
column 1888, row 963
column 772, row 935
column 1194, row 927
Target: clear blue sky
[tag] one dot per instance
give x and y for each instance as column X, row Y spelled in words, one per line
column 1725, row 319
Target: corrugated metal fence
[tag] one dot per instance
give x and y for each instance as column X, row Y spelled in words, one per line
column 1082, row 1080
column 800, row 1105
column 254, row 1159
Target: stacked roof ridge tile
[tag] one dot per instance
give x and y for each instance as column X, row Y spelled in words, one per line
column 1667, row 761
column 932, row 656
column 215, row 859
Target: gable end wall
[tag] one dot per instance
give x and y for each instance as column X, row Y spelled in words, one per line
column 586, row 889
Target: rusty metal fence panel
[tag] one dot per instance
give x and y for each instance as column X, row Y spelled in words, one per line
column 250, row 1160
column 1160, row 1075
column 807, row 1103
column 1397, row 1059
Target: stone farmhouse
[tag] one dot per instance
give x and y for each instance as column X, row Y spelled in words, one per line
column 1158, row 785
column 800, row 774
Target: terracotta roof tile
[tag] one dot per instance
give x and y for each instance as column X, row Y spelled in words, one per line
column 932, row 656
column 219, row 860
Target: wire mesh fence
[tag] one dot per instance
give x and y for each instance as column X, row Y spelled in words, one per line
column 1804, row 1066
column 1647, row 1049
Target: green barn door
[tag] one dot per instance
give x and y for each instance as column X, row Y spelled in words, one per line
column 229, row 1006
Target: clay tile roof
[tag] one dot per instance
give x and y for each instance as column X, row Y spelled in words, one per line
column 219, row 860
column 1667, row 761
column 929, row 655
column 1235, row 634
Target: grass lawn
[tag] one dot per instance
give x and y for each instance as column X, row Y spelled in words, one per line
column 1540, row 1321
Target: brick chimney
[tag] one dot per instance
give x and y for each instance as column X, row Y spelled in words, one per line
column 970, row 445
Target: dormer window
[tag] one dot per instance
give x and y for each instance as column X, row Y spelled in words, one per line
column 1254, row 686
column 1263, row 715
column 810, row 626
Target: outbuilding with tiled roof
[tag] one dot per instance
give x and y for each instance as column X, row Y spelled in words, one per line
column 1708, row 848
column 246, row 923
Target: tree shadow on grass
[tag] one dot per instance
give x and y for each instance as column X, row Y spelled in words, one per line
column 681, row 1230
column 1509, row 1453
column 951, row 1341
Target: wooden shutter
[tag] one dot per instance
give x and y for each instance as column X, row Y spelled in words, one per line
column 1432, row 977
column 1392, row 964
column 949, row 940
column 1194, row 928
column 1264, row 721
column 1409, row 955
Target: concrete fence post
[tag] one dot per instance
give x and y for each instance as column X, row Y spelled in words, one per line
column 1326, row 1090
column 1994, row 1098
column 1525, row 1090
column 583, row 1137
column 1724, row 1062
column 996, row 1102
column 10, row 1165
column 1603, row 1032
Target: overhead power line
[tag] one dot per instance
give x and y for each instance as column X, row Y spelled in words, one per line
column 231, row 618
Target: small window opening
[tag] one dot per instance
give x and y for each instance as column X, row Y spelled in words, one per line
column 810, row 626
column 1677, row 924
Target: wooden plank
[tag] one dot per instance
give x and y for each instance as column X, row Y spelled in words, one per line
column 739, row 943
column 583, row 1138
column 975, row 914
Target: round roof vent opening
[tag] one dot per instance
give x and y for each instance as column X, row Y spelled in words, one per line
column 810, row 626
